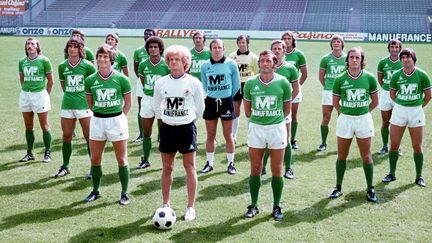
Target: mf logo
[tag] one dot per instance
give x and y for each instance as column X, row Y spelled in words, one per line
column 407, row 89
column 106, row 94
column 217, row 79
column 265, row 102
column 74, row 80
column 337, row 69
column 390, row 73
column 242, row 67
column 356, row 95
column 31, row 71
column 151, row 79
column 196, row 64
column 175, row 103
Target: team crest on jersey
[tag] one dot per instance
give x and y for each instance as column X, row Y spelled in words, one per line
column 186, row 93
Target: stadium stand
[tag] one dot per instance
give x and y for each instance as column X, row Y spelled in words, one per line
column 104, row 13
column 327, row 15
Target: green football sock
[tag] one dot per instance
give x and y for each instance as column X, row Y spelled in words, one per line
column 368, row 170
column 277, row 184
column 30, row 138
column 140, row 125
column 124, row 174
column 47, row 140
column 146, row 145
column 67, row 152
column 324, row 133
column 418, row 159
column 96, row 172
column 254, row 186
column 385, row 135
column 340, row 171
column 393, row 158
column 293, row 130
column 288, row 157
column 266, row 157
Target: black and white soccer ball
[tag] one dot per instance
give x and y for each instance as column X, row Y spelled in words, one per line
column 164, row 218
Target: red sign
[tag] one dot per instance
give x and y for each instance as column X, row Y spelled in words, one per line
column 12, row 7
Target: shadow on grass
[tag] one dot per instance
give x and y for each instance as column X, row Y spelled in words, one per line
column 218, row 232
column 56, row 146
column 227, row 190
column 15, row 164
column 155, row 185
column 357, row 162
column 36, row 185
column 48, row 214
column 115, row 234
column 311, row 156
column 106, row 180
column 319, row 211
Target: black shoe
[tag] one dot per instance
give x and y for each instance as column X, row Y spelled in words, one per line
column 124, row 199
column 92, row 196
column 207, row 168
column 383, row 151
column 263, row 171
column 388, row 178
column 400, row 152
column 47, row 156
column 322, row 148
column 144, row 164
column 277, row 213
column 138, row 140
column 88, row 176
column 294, row 144
column 27, row 158
column 371, row 197
column 289, row 174
column 62, row 172
column 251, row 212
column 335, row 193
column 231, row 169
column 420, row 181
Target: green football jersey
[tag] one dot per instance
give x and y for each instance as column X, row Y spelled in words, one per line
column 107, row 92
column 288, row 71
column 140, row 55
column 354, row 92
column 34, row 72
column 410, row 87
column 333, row 67
column 296, row 58
column 198, row 58
column 387, row 67
column 73, row 79
column 152, row 72
column 89, row 54
column 267, row 99
column 120, row 61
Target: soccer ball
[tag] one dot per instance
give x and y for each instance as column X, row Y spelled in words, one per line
column 164, row 218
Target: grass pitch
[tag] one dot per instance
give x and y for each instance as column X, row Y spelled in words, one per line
column 36, row 207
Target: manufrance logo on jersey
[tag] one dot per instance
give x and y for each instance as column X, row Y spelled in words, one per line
column 217, row 82
column 107, row 97
column 150, row 81
column 243, row 68
column 175, row 107
column 335, row 70
column 356, row 98
column 196, row 66
column 31, row 74
column 408, row 92
column 74, row 83
column 266, row 106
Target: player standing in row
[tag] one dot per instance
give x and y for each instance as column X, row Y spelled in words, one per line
column 221, row 81
column 247, row 63
column 72, row 73
column 289, row 72
column 35, row 75
column 140, row 55
column 179, row 102
column 386, row 67
column 410, row 88
column 120, row 62
column 295, row 57
column 200, row 53
column 267, row 101
column 331, row 66
column 149, row 71
column 355, row 95
column 88, row 52
column 108, row 94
